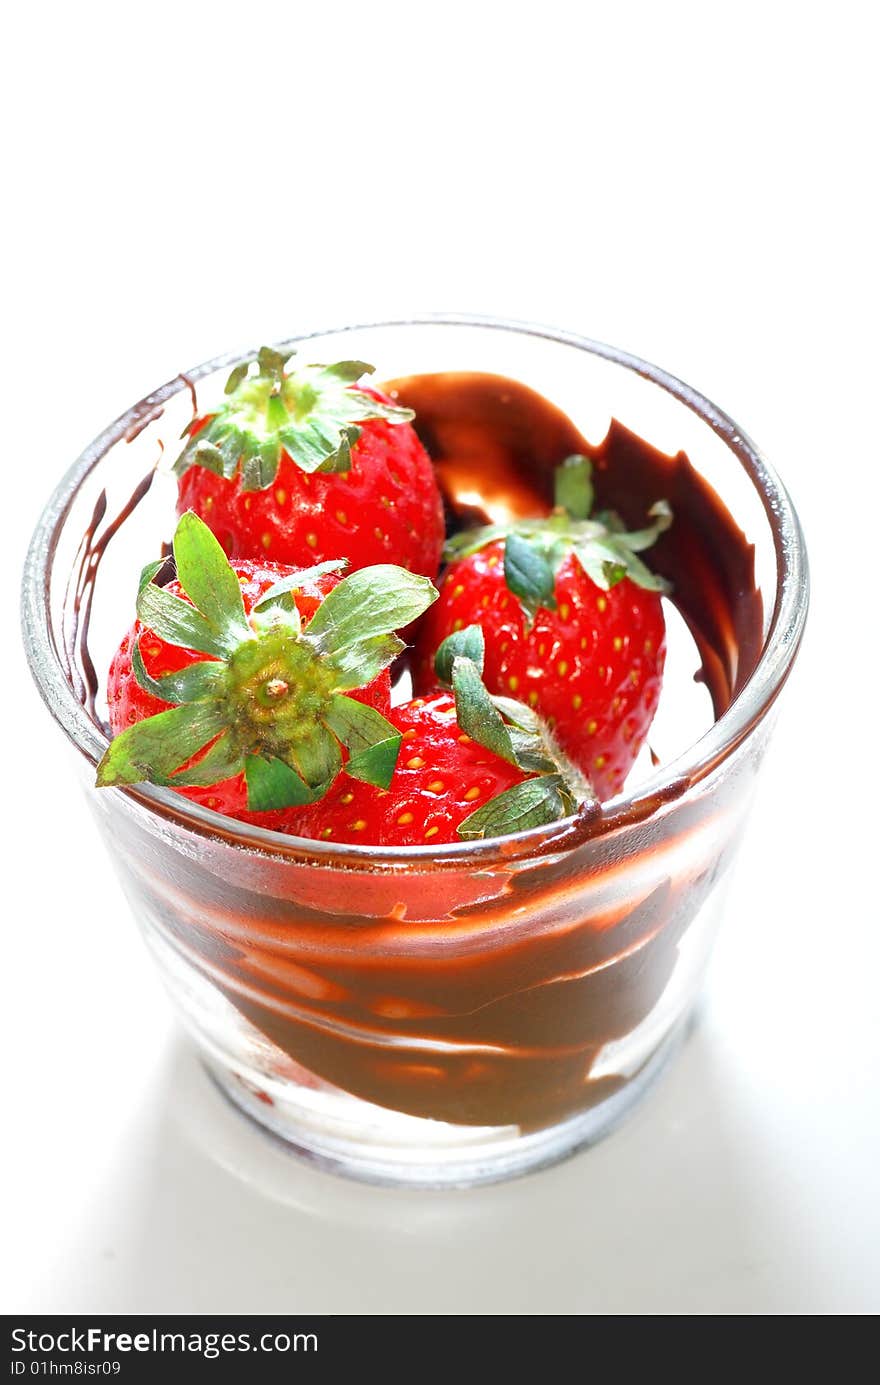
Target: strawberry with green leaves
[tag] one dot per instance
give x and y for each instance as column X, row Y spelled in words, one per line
column 250, row 687
column 572, row 619
column 263, row 693
column 470, row 766
column 305, row 465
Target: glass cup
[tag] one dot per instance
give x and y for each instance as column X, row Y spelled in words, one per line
column 462, row 1014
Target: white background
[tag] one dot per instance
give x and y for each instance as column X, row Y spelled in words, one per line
column 691, row 182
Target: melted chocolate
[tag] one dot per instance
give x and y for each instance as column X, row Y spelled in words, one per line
column 78, row 608
column 457, row 992
column 496, row 438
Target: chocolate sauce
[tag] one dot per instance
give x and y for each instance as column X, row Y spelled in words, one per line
column 93, row 545
column 495, row 437
column 480, row 992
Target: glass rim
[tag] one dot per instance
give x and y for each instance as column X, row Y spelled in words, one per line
column 667, row 784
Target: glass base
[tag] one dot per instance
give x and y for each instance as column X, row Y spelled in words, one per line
column 406, row 1151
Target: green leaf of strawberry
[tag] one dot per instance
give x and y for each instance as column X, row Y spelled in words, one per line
column 533, row 803
column 609, row 557
column 535, row 549
column 279, row 594
column 528, row 573
column 148, row 572
column 372, row 741
column 363, row 660
column 205, row 575
column 371, row 602
column 197, row 683
column 178, row 622
column 273, row 784
column 222, row 760
column 317, row 758
column 503, row 725
column 155, row 748
column 477, row 714
column 375, row 764
column 270, row 694
column 215, row 622
column 312, row 413
column 468, row 643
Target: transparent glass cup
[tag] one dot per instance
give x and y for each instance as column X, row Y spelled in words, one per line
column 454, row 1015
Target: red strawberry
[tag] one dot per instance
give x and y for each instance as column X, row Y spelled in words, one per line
column 233, row 686
column 448, row 786
column 442, row 776
column 573, row 624
column 307, row 466
column 128, row 702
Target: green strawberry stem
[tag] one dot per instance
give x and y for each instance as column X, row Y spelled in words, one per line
column 513, row 731
column 534, row 549
column 312, row 413
column 271, row 700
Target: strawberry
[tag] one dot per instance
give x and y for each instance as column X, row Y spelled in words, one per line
column 442, row 774
column 233, row 686
column 469, row 766
column 307, row 466
column 572, row 619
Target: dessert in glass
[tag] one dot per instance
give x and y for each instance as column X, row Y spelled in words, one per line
column 416, row 970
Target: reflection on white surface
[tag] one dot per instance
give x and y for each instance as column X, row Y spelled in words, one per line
column 689, row 1207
